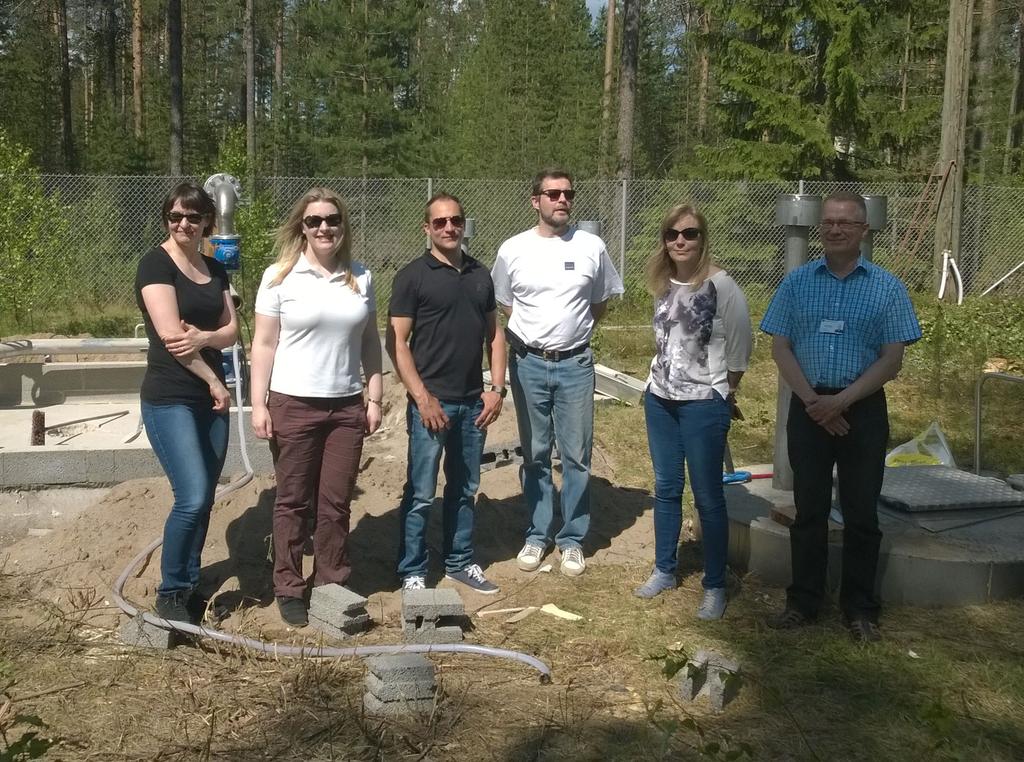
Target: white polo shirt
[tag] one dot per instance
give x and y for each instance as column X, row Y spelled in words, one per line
column 319, row 348
column 550, row 284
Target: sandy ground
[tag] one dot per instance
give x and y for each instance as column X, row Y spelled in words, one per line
column 89, row 550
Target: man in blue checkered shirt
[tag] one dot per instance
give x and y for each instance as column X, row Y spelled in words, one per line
column 839, row 326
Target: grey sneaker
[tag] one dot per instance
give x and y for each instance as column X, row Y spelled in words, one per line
column 713, row 605
column 414, row 582
column 658, row 582
column 573, row 564
column 173, row 606
column 473, row 577
column 529, row 557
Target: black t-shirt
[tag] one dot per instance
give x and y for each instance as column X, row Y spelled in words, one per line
column 448, row 308
column 167, row 382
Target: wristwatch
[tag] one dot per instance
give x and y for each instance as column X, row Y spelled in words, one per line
column 502, row 390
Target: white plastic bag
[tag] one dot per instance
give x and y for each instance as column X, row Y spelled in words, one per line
column 929, row 448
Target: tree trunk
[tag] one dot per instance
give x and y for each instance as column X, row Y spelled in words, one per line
column 110, row 52
column 175, row 75
column 276, row 105
column 60, row 25
column 137, row 68
column 627, row 85
column 954, row 132
column 606, row 93
column 983, row 81
column 249, row 43
column 704, row 84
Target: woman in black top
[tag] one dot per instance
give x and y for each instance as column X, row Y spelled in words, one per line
column 189, row 318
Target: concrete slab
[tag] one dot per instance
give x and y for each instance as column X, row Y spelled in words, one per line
column 431, row 603
column 342, row 630
column 432, row 635
column 374, row 706
column 963, row 565
column 400, row 691
column 401, row 667
column 94, row 451
column 139, row 633
column 334, row 603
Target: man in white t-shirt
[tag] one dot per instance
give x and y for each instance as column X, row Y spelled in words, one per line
column 553, row 283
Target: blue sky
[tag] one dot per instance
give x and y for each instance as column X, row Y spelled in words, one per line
column 595, row 6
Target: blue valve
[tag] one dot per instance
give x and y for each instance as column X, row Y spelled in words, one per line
column 227, row 250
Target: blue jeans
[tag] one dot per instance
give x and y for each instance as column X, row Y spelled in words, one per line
column 463, row 445
column 693, row 431
column 190, row 441
column 555, row 404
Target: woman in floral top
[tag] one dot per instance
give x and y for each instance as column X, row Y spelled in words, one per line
column 703, row 338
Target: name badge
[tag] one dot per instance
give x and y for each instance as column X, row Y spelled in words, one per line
column 570, row 265
column 831, row 326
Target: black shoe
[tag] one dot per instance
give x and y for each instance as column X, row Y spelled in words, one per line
column 789, row 619
column 293, row 611
column 862, row 629
column 173, row 606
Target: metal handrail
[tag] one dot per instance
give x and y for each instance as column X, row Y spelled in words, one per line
column 977, row 410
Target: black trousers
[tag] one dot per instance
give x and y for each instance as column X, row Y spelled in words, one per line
column 859, row 457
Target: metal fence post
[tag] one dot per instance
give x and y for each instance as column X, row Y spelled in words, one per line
column 622, row 231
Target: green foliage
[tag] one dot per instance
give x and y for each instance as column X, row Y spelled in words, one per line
column 30, row 225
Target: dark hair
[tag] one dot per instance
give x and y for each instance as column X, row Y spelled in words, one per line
column 193, row 197
column 550, row 172
column 442, row 196
column 848, row 197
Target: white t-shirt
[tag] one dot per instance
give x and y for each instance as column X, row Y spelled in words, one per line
column 322, row 320
column 550, row 284
column 699, row 334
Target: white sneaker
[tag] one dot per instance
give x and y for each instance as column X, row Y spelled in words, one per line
column 529, row 557
column 573, row 564
column 414, row 582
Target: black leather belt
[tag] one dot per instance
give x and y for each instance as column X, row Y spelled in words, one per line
column 557, row 354
column 554, row 355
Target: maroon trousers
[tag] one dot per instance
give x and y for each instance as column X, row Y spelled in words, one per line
column 317, row 446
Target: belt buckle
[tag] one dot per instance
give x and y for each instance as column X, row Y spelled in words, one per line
column 552, row 355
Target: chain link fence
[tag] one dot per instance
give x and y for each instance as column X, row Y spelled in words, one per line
column 86, row 233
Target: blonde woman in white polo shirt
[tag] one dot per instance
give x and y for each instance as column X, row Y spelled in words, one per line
column 315, row 326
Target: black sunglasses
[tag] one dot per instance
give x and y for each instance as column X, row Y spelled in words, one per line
column 554, row 193
column 688, row 234
column 193, row 217
column 314, row 221
column 439, row 223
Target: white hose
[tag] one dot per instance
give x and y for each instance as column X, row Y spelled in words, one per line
column 273, row 649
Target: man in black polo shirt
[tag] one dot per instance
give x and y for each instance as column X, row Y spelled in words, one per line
column 442, row 312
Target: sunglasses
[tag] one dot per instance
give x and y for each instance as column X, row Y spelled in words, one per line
column 554, row 193
column 314, row 221
column 439, row 223
column 688, row 234
column 193, row 217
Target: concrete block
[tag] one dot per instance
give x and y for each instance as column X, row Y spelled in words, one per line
column 401, row 668
column 712, row 675
column 1007, row 581
column 446, row 634
column 374, row 706
column 915, row 581
column 139, row 633
column 335, row 604
column 431, row 603
column 400, row 691
column 346, row 629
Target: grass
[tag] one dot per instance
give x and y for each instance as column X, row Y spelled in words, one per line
column 944, row 685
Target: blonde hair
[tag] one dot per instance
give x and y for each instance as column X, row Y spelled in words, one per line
column 289, row 241
column 660, row 266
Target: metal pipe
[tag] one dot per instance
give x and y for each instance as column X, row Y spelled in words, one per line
column 877, row 217
column 798, row 213
column 590, row 226
column 977, row 410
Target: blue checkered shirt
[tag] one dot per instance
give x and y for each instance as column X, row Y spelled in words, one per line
column 872, row 303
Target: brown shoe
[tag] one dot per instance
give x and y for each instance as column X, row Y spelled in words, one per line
column 862, row 629
column 788, row 619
